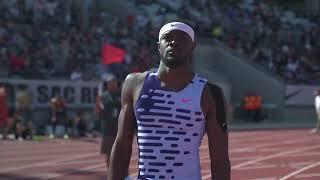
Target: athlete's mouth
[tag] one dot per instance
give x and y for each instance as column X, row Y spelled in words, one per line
column 172, row 51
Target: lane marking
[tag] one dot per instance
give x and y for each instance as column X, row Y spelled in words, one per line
column 47, row 163
column 254, row 148
column 88, row 168
column 300, row 171
column 308, row 175
column 265, row 178
column 266, row 158
column 274, row 156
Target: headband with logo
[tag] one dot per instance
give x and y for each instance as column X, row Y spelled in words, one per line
column 177, row 26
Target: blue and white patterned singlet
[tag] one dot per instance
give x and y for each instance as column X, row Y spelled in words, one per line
column 170, row 129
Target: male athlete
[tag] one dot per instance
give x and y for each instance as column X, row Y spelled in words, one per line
column 171, row 108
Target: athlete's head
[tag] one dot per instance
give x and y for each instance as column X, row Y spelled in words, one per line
column 176, row 43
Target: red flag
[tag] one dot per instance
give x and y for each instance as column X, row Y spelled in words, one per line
column 112, row 54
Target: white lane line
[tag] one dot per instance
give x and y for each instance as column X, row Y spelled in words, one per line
column 98, row 167
column 266, row 158
column 245, row 158
column 300, row 171
column 88, row 168
column 46, row 151
column 91, row 161
column 265, row 178
column 252, row 139
column 39, row 156
column 254, row 148
column 259, row 167
column 308, row 175
column 232, row 135
column 47, row 163
column 30, row 146
column 274, row 156
column 299, row 165
column 312, row 154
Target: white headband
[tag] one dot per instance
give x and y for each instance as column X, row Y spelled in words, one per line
column 177, row 26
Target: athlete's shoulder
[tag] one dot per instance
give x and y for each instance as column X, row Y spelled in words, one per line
column 135, row 78
column 133, row 81
column 211, row 93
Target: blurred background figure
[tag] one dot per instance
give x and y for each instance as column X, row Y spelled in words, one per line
column 253, row 107
column 80, row 126
column 23, row 116
column 58, row 119
column 4, row 113
column 317, row 108
column 109, row 105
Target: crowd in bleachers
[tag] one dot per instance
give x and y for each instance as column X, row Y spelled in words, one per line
column 45, row 38
column 285, row 42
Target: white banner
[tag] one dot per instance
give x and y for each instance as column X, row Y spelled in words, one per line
column 300, row 95
column 76, row 94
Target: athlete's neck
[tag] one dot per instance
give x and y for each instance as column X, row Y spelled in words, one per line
column 176, row 78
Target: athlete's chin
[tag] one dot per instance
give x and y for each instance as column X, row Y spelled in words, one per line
column 172, row 63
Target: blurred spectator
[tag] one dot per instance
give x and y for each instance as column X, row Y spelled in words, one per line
column 80, row 125
column 109, row 105
column 76, row 75
column 4, row 112
column 253, row 107
column 23, row 116
column 58, row 119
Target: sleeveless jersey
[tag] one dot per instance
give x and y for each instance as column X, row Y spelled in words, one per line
column 170, row 129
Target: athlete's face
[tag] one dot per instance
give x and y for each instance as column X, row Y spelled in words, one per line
column 175, row 48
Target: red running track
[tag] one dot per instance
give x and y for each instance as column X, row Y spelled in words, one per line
column 255, row 155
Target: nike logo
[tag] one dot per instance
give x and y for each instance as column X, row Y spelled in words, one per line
column 184, row 100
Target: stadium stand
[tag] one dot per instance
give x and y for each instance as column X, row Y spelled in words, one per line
column 45, row 39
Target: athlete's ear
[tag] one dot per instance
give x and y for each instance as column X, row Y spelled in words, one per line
column 158, row 45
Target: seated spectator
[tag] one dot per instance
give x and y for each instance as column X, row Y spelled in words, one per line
column 80, row 125
column 23, row 118
column 58, row 120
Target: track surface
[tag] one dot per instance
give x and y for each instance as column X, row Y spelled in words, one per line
column 255, row 155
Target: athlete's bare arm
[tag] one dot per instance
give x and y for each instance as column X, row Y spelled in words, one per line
column 215, row 113
column 122, row 147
